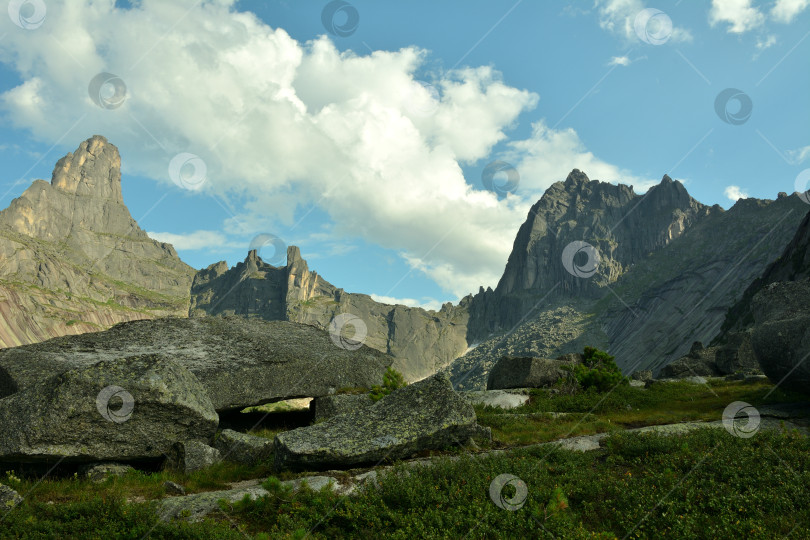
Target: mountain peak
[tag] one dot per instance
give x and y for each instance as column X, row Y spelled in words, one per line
column 576, row 177
column 93, row 169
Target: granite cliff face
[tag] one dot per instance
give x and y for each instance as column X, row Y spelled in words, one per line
column 73, row 260
column 421, row 341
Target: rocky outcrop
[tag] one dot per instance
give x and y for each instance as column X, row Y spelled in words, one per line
column 699, row 362
column 115, row 410
column 781, row 335
column 73, row 260
column 527, row 372
column 420, row 341
column 424, row 415
column 239, row 362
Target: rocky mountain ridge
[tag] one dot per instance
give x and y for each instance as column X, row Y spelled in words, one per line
column 642, row 276
column 421, row 341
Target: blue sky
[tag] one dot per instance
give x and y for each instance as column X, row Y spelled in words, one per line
column 366, row 146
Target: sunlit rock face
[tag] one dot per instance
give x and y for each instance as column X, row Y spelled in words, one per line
column 73, row 260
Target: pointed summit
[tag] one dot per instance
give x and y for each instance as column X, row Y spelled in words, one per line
column 93, row 170
column 576, row 177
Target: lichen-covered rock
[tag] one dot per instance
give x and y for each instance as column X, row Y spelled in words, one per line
column 781, row 336
column 190, row 456
column 328, row 406
column 116, row 410
column 98, row 472
column 643, row 375
column 8, row 499
column 243, row 447
column 527, row 372
column 427, row 414
column 240, row 362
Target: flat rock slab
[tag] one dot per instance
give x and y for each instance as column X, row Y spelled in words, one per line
column 427, row 414
column 240, row 362
column 114, row 410
column 496, row 398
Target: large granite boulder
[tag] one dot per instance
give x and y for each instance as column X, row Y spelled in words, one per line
column 781, row 336
column 240, row 362
column 427, row 414
column 526, row 372
column 115, row 410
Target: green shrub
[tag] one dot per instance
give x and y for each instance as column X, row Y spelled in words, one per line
column 598, row 370
column 392, row 380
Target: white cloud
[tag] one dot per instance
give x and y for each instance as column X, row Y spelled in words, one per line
column 799, row 155
column 785, row 11
column 740, row 15
column 427, row 303
column 764, row 43
column 191, row 241
column 735, row 193
column 619, row 61
column 549, row 155
column 619, row 17
column 287, row 126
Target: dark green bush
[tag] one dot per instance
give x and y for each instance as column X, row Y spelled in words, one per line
column 598, row 370
column 392, row 380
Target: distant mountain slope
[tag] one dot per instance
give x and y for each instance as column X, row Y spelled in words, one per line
column 421, row 341
column 73, row 260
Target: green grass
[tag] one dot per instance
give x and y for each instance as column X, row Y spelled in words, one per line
column 704, row 484
column 624, row 407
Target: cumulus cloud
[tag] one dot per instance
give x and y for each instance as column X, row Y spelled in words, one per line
column 549, row 155
column 282, row 125
column 191, row 241
column 785, row 11
column 734, row 193
column 740, row 15
column 619, row 17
